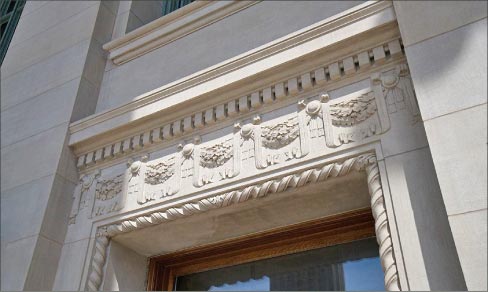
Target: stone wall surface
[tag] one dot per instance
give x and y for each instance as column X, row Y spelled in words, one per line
column 446, row 51
column 229, row 37
column 50, row 76
column 406, row 126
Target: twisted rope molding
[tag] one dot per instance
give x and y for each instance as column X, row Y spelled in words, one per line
column 365, row 162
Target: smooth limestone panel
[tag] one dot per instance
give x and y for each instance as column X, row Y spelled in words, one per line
column 104, row 25
column 113, row 6
column 95, row 63
column 67, row 164
column 44, row 264
column 52, row 108
column 15, row 263
column 428, row 248
column 70, row 266
column 458, row 144
column 449, row 71
column 126, row 270
column 23, row 209
column 407, row 133
column 469, row 231
column 213, row 44
column 86, row 100
column 55, row 220
column 420, row 20
column 50, row 42
column 46, row 17
column 23, row 162
column 31, row 6
column 50, row 73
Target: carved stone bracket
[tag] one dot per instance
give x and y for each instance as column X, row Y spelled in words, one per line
column 365, row 162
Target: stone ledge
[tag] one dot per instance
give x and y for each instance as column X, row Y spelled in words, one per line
column 178, row 95
column 171, row 27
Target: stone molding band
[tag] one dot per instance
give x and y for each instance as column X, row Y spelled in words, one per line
column 252, row 101
column 366, row 162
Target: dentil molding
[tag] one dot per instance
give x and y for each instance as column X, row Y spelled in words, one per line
column 279, row 93
column 363, row 37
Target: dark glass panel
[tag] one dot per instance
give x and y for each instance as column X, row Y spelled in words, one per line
column 350, row 266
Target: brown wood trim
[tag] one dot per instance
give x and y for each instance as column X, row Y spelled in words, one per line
column 336, row 229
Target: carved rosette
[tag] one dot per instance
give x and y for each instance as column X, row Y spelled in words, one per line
column 361, row 163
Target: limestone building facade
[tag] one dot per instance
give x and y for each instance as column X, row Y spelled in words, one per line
column 127, row 136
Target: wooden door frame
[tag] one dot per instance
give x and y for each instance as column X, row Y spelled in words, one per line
column 318, row 233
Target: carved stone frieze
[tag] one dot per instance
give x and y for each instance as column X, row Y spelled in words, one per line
column 298, row 179
column 398, row 92
column 108, row 196
column 354, row 111
column 216, row 155
column 159, row 180
column 354, row 119
column 81, row 195
column 280, row 134
column 250, row 142
column 318, row 125
column 160, row 172
column 135, row 182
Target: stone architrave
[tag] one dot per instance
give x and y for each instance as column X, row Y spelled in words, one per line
column 365, row 162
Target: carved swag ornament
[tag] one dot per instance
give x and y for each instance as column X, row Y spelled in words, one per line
column 317, row 123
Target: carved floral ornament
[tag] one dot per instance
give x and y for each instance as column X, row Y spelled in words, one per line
column 366, row 162
column 321, row 121
column 317, row 125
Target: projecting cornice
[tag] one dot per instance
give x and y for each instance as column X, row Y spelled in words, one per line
column 171, row 27
column 329, row 54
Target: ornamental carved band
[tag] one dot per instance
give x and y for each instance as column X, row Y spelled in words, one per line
column 365, row 163
column 256, row 145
